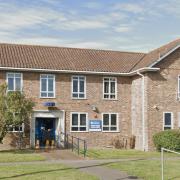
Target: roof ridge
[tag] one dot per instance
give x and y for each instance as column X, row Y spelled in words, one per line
column 75, row 48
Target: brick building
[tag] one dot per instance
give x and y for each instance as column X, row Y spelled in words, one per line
column 97, row 95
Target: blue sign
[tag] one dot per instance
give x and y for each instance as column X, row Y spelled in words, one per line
column 49, row 104
column 95, row 125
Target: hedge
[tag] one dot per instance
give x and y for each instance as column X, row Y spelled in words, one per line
column 169, row 139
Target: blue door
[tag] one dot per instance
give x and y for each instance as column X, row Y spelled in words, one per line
column 45, row 130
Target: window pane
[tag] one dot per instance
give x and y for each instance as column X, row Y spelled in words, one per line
column 112, row 96
column 51, row 76
column 83, row 119
column 74, row 128
column 75, row 95
column 112, row 87
column 10, row 75
column 81, row 78
column 10, row 84
column 166, row 128
column 43, row 76
column 106, row 96
column 106, row 87
column 74, row 119
column 82, row 128
column 113, row 128
column 106, row 119
column 50, row 94
column 113, row 119
column 18, row 84
column 18, row 75
column 167, row 119
column 50, row 84
column 105, row 128
column 43, row 94
column 75, row 86
column 81, row 86
column 43, row 84
column 16, row 128
column 81, row 95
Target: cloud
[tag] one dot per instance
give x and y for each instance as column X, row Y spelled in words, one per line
column 123, row 28
column 129, row 7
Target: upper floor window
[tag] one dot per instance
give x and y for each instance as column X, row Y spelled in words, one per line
column 79, row 122
column 78, row 87
column 47, row 86
column 167, row 120
column 14, row 81
column 110, row 122
column 109, row 88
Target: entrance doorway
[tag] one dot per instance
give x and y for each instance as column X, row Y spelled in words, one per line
column 45, row 131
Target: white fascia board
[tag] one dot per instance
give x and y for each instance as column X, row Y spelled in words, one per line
column 167, row 54
column 80, row 72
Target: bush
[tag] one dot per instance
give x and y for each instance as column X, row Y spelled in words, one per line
column 169, row 139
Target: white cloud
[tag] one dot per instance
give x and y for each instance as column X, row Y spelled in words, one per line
column 129, row 7
column 123, row 28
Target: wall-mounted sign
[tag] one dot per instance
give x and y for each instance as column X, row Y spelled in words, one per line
column 95, row 125
column 49, row 104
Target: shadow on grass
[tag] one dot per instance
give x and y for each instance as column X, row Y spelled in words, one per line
column 18, row 151
column 71, row 168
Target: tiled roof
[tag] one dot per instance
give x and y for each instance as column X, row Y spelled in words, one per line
column 61, row 58
column 57, row 58
column 156, row 54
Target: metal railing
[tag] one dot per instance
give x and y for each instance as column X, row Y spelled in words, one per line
column 76, row 144
column 162, row 159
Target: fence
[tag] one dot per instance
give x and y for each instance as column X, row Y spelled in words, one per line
column 76, row 144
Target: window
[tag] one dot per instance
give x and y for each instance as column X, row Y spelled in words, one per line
column 109, row 88
column 47, row 86
column 79, row 122
column 110, row 122
column 14, row 81
column 78, row 87
column 12, row 128
column 168, row 120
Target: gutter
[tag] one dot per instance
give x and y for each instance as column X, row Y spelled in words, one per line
column 149, row 69
column 143, row 111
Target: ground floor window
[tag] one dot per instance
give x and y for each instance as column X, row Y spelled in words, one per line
column 110, row 122
column 16, row 128
column 168, row 120
column 78, row 121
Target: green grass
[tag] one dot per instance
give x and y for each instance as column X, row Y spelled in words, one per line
column 20, row 156
column 42, row 171
column 119, row 154
column 149, row 169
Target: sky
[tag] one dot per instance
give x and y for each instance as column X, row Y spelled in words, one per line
column 123, row 25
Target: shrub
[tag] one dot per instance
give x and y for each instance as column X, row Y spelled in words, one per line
column 169, row 139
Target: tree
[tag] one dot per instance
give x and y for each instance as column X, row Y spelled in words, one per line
column 15, row 109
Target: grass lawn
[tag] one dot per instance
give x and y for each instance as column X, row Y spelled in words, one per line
column 119, row 154
column 42, row 171
column 149, row 169
column 20, row 156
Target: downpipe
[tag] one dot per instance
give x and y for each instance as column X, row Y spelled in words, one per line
column 143, row 112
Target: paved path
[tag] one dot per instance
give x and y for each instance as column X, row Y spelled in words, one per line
column 93, row 167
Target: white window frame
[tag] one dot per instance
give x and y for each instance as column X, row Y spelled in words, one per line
column 117, row 122
column 14, row 131
column 78, row 76
column 79, row 121
column 14, row 81
column 172, row 121
column 109, row 93
column 54, row 86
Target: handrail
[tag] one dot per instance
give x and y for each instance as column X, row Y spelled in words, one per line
column 75, row 143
